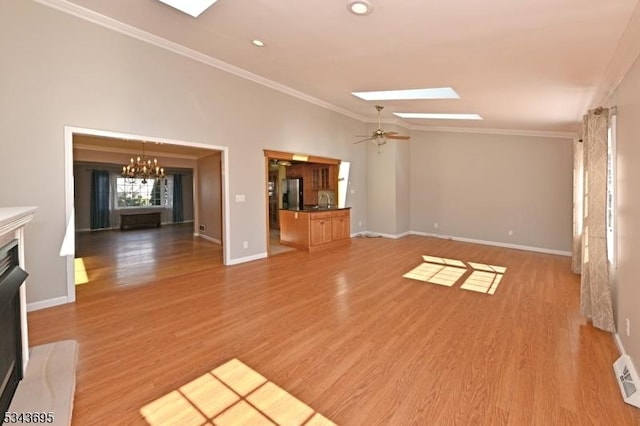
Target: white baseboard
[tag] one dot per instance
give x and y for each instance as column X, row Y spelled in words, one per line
column 618, row 342
column 383, row 235
column 465, row 240
column 208, row 238
column 247, row 259
column 494, row 243
column 49, row 303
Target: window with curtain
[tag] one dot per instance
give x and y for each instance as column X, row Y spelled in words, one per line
column 99, row 207
column 178, row 205
column 136, row 193
column 591, row 241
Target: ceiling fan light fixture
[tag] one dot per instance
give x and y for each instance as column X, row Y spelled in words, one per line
column 360, row 7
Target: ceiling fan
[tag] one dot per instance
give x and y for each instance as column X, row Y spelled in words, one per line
column 274, row 163
column 379, row 136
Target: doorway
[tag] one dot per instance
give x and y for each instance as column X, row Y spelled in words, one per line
column 316, row 174
column 171, row 145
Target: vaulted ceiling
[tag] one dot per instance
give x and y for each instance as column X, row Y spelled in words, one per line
column 532, row 65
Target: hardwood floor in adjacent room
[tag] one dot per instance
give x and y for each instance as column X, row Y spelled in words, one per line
column 345, row 333
column 138, row 256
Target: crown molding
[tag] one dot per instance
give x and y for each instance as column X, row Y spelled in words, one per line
column 626, row 53
column 115, row 25
column 510, row 132
column 629, row 44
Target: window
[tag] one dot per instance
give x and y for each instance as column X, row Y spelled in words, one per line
column 136, row 193
column 611, row 182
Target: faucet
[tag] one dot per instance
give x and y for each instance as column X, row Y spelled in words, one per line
column 328, row 197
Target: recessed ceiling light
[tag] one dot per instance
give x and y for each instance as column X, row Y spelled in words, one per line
column 390, row 95
column 438, row 116
column 360, row 7
column 257, row 42
column 190, row 7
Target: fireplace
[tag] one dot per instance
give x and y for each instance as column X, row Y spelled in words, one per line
column 11, row 277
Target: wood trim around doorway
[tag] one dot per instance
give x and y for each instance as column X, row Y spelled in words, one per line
column 281, row 155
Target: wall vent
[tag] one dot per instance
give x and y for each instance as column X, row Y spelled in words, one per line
column 627, row 379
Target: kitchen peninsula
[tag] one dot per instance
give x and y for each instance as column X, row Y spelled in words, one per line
column 315, row 228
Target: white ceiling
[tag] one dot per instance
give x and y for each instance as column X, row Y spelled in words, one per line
column 528, row 65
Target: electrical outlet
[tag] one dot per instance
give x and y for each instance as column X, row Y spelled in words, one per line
column 245, row 244
column 203, row 228
column 628, row 326
column 436, row 225
column 510, row 233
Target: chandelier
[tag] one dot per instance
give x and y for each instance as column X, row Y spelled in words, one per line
column 143, row 168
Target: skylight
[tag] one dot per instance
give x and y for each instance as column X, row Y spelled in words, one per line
column 391, row 95
column 438, row 116
column 190, row 7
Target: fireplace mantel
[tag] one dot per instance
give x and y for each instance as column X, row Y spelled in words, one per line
column 12, row 222
column 13, row 218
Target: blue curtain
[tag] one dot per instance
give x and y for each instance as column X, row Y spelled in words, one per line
column 178, row 205
column 99, row 205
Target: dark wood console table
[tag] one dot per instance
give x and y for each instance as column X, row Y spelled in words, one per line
column 128, row 220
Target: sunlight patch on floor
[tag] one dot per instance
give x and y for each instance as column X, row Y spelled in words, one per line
column 436, row 274
column 444, row 261
column 488, row 268
column 81, row 276
column 232, row 394
column 484, row 278
column 482, row 282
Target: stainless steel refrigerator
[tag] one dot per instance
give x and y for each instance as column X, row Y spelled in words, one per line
column 292, row 194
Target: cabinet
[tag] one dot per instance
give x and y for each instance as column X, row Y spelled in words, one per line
column 321, row 177
column 315, row 177
column 139, row 219
column 315, row 230
column 320, row 229
column 340, row 225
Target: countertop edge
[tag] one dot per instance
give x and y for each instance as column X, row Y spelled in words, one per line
column 312, row 210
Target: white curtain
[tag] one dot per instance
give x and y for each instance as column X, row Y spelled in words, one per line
column 590, row 231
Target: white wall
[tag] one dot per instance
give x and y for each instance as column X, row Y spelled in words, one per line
column 381, row 188
column 480, row 186
column 627, row 285
column 59, row 70
column 403, row 186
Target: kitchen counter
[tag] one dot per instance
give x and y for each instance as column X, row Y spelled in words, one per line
column 315, row 228
column 312, row 209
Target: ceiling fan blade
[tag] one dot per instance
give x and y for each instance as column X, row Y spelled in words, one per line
column 364, row 140
column 390, row 133
column 403, row 137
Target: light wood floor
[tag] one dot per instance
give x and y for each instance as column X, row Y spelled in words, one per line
column 344, row 333
column 140, row 256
